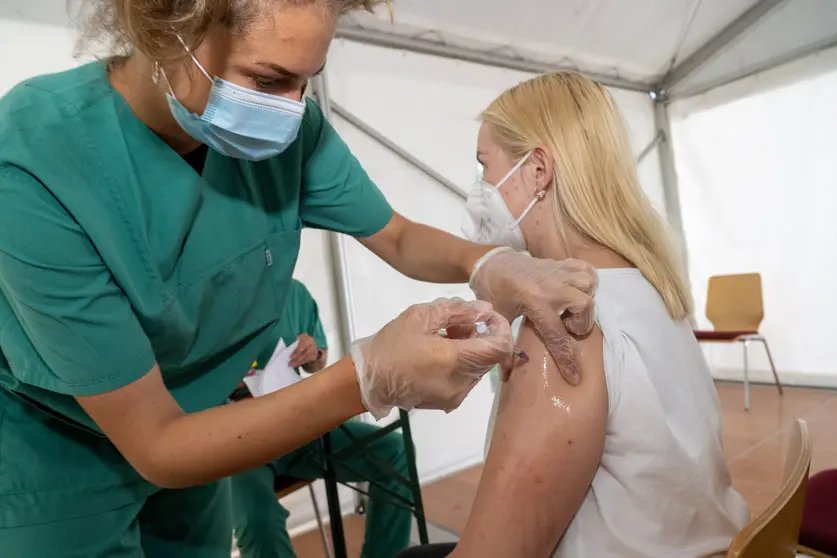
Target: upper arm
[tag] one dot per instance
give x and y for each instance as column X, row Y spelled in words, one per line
column 547, row 444
column 70, row 328
column 337, row 194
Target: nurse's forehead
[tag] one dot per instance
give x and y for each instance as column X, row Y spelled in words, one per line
column 294, row 40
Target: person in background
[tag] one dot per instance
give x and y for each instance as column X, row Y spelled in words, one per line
column 260, row 522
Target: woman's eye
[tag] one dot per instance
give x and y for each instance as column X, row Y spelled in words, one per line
column 264, row 84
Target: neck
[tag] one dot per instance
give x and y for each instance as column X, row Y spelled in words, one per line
column 546, row 241
column 132, row 79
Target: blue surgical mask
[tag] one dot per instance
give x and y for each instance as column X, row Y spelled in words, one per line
column 239, row 122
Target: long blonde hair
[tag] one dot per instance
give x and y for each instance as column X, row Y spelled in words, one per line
column 595, row 186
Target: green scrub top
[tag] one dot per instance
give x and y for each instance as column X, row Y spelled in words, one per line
column 300, row 315
column 115, row 253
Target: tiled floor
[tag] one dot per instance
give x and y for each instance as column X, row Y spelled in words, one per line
column 755, row 443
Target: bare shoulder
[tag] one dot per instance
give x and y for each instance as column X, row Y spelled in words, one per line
column 540, row 384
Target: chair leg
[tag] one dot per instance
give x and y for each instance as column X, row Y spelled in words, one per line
column 330, row 478
column 323, row 533
column 746, row 377
column 772, row 366
column 410, row 451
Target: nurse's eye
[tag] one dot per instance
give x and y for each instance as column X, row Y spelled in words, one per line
column 269, row 84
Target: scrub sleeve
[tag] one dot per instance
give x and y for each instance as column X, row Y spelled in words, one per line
column 115, row 254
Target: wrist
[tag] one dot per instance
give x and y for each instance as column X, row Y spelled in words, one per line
column 473, row 256
column 348, row 385
column 490, row 252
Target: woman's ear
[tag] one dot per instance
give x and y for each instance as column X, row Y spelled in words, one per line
column 544, row 167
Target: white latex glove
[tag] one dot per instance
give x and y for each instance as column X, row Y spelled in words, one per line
column 409, row 365
column 556, row 296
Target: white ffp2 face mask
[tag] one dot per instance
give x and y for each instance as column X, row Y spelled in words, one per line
column 487, row 218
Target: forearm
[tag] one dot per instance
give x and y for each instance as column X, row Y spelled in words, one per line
column 205, row 446
column 425, row 253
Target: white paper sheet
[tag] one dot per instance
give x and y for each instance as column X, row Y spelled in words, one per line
column 277, row 374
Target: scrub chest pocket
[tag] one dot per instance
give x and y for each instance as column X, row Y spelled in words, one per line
column 242, row 295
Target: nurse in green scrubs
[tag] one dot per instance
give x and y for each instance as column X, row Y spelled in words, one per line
column 260, row 522
column 151, row 208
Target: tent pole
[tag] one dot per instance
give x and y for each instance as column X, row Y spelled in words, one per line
column 395, row 148
column 671, row 193
column 337, row 246
column 766, row 66
column 720, row 42
column 339, row 264
column 649, row 148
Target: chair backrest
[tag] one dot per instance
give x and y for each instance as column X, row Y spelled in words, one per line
column 734, row 303
column 775, row 533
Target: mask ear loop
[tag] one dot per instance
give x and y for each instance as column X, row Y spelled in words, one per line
column 538, row 197
column 514, row 169
column 195, row 60
column 159, row 72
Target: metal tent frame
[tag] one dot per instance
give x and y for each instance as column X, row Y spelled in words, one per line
column 657, row 90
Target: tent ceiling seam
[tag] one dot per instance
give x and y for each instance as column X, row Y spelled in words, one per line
column 485, row 57
column 690, row 20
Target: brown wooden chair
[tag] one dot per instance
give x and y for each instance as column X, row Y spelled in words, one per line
column 775, row 533
column 735, row 308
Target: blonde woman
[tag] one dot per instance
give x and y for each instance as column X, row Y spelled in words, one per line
column 628, row 463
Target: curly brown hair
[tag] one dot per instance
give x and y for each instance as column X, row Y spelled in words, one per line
column 152, row 26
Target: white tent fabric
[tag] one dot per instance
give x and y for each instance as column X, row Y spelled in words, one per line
column 631, row 44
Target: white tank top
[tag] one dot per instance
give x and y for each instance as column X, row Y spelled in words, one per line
column 662, row 488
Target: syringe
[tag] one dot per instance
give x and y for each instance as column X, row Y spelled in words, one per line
column 482, row 327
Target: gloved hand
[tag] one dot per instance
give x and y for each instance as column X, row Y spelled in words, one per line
column 557, row 296
column 408, row 364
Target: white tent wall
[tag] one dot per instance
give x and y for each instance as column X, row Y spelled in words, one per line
column 758, row 192
column 30, row 49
